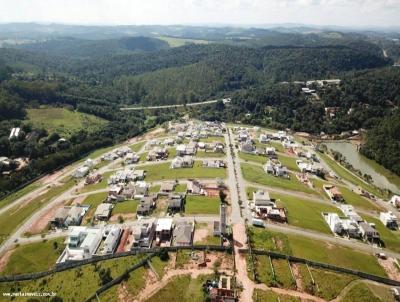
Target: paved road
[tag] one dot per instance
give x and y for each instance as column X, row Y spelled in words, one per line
column 170, row 106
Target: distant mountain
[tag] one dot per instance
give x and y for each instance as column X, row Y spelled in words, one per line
column 79, row 48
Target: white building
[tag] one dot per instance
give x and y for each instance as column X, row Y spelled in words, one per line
column 80, row 172
column 82, row 243
column 111, row 241
column 334, row 222
column 14, row 132
column 395, row 201
column 348, row 211
column 388, row 219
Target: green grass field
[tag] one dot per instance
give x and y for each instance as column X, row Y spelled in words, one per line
column 330, row 284
column 316, row 250
column 305, row 213
column 16, row 215
column 283, row 275
column 345, row 174
column 270, row 296
column 264, row 270
column 20, row 193
column 202, row 205
column 253, row 157
column 154, row 189
column 186, row 288
column 163, row 171
column 125, row 207
column 360, row 292
column 77, row 284
column 289, row 162
column 180, row 188
column 358, row 201
column 93, row 201
column 256, row 174
column 391, row 239
column 209, row 240
column 202, row 154
column 63, row 121
column 137, row 146
column 34, row 257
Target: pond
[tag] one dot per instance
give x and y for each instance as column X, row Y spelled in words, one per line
column 381, row 177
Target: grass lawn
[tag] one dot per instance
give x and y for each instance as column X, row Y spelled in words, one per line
column 391, row 239
column 171, row 152
column 358, row 201
column 212, row 139
column 63, row 121
column 319, row 251
column 283, row 275
column 256, row 174
column 154, row 189
column 125, row 207
column 163, row 171
column 264, row 270
column 16, row 215
column 20, row 193
column 210, row 154
column 98, row 186
column 305, row 278
column 180, row 188
column 182, row 258
column 253, row 157
column 209, row 240
column 137, row 146
column 347, row 175
column 270, row 296
column 330, row 284
column 202, row 205
column 305, row 213
column 159, row 266
column 289, row 162
column 34, row 257
column 186, row 288
column 360, row 292
column 75, row 284
column 93, row 201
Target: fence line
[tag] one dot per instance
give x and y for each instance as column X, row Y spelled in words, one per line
column 73, row 264
column 325, row 266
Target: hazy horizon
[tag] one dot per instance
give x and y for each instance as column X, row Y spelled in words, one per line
column 323, row 13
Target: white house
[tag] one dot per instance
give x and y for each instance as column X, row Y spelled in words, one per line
column 388, row 219
column 263, row 138
column 334, row 222
column 111, row 241
column 82, row 243
column 80, row 172
column 395, row 201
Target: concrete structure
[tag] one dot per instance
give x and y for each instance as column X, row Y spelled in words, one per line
column 103, row 211
column 389, row 220
column 82, row 243
column 163, row 230
column 183, row 233
column 368, row 232
column 143, row 233
column 111, row 242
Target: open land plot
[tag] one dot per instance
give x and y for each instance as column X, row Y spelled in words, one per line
column 79, row 283
column 305, row 213
column 34, row 257
column 163, row 171
column 93, row 201
column 264, row 270
column 315, row 250
column 154, row 189
column 283, row 275
column 289, row 162
column 330, row 284
column 361, row 292
column 270, row 296
column 347, row 175
column 186, row 288
column 125, row 207
column 262, row 159
column 390, row 238
column 212, row 139
column 201, row 154
column 358, row 201
column 203, row 235
column 256, row 174
column 10, row 220
column 63, row 121
column 20, row 193
column 196, row 204
column 180, row 188
column 137, row 146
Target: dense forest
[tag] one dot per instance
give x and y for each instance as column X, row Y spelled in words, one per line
column 97, row 75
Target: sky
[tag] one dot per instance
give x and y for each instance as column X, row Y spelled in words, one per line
column 354, row 13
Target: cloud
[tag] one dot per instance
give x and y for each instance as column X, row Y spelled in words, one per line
column 323, row 12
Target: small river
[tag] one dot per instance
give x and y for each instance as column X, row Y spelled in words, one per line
column 362, row 163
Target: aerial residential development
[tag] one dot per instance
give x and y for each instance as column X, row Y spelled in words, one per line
column 200, row 151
